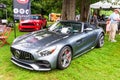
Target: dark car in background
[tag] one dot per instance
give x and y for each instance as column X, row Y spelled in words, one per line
column 36, row 22
column 55, row 47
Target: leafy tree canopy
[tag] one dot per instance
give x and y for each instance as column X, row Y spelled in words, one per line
column 41, row 6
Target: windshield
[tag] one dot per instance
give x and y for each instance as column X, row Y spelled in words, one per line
column 35, row 17
column 66, row 27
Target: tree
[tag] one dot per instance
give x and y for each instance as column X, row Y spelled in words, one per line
column 84, row 9
column 46, row 6
column 68, row 9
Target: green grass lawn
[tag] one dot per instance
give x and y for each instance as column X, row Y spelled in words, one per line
column 98, row 64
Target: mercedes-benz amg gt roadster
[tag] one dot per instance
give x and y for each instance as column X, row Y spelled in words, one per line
column 56, row 46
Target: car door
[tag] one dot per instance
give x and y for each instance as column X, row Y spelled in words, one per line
column 79, row 42
column 84, row 41
column 91, row 36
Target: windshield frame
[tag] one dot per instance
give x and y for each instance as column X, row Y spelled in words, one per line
column 67, row 27
column 35, row 17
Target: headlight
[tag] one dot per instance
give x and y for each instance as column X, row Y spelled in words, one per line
column 47, row 51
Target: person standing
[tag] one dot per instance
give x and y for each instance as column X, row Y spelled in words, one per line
column 94, row 20
column 114, row 19
column 108, row 26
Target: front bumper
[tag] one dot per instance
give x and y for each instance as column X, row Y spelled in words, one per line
column 36, row 65
column 28, row 28
column 30, row 60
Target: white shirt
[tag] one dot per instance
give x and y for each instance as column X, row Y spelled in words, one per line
column 113, row 18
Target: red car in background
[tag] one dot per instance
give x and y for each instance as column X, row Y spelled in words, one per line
column 35, row 22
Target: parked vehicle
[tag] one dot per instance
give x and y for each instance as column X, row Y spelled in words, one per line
column 35, row 22
column 54, row 17
column 55, row 47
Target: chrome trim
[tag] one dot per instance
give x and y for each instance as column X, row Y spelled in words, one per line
column 21, row 65
column 34, row 67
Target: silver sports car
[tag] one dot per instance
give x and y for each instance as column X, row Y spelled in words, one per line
column 56, row 46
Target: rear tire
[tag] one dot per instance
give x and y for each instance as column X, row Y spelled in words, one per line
column 64, row 58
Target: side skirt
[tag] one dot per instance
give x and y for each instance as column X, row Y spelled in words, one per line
column 83, row 52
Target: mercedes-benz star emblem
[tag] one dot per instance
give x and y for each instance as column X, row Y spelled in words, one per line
column 17, row 54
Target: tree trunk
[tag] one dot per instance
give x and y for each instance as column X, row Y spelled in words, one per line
column 64, row 10
column 72, row 10
column 84, row 10
column 68, row 10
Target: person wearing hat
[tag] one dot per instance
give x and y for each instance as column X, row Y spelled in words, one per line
column 114, row 19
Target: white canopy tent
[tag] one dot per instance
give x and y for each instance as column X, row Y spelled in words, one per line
column 104, row 5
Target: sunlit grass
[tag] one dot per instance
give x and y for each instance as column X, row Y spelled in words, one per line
column 98, row 64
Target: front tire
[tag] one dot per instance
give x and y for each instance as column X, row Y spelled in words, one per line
column 64, row 58
column 100, row 42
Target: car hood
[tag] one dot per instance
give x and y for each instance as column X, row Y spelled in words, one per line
column 29, row 21
column 38, row 39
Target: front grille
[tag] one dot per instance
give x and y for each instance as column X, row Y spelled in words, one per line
column 28, row 29
column 19, row 54
column 27, row 24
